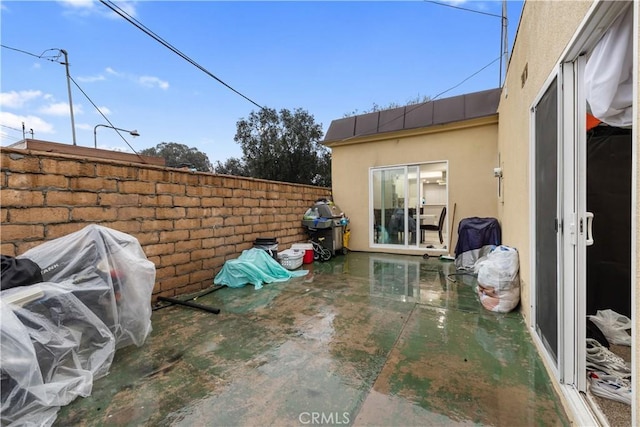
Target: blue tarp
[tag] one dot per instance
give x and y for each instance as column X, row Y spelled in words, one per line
column 254, row 266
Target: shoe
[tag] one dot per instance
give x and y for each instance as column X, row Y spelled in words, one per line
column 600, row 358
column 610, row 387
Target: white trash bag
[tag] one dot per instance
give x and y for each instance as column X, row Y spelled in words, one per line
column 613, row 325
column 498, row 279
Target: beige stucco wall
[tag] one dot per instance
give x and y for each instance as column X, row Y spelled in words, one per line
column 469, row 147
column 545, row 30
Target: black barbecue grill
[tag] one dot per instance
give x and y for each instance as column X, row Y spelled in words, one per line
column 325, row 224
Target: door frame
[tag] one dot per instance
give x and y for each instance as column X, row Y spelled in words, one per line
column 572, row 142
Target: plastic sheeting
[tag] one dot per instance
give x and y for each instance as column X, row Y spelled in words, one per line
column 108, row 271
column 58, row 336
column 608, row 74
column 256, row 267
column 498, row 279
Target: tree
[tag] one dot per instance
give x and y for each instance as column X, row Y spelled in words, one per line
column 284, row 146
column 179, row 155
column 232, row 166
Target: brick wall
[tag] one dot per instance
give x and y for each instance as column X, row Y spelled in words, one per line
column 188, row 223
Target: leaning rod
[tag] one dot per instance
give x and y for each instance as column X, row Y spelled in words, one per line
column 190, row 304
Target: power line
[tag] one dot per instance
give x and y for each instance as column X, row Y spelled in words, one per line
column 413, row 107
column 12, row 128
column 464, row 8
column 105, row 117
column 41, row 56
column 172, row 48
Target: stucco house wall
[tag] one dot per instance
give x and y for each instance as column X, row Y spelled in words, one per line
column 469, row 146
column 545, row 30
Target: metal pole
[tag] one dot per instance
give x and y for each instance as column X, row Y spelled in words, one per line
column 73, row 125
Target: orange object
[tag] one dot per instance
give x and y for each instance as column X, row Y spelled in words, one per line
column 592, row 122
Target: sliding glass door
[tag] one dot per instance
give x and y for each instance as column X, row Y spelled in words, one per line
column 408, row 206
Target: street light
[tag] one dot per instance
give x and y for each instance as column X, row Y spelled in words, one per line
column 95, row 135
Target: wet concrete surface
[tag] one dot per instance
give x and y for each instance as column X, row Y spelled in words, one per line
column 365, row 339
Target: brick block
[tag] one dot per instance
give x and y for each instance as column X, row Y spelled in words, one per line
column 201, row 254
column 128, row 187
column 130, row 212
column 68, row 167
column 191, row 288
column 241, row 211
column 173, row 189
column 12, row 198
column 174, row 235
column 174, row 259
column 200, row 233
column 53, row 231
column 199, row 191
column 155, row 260
column 159, row 249
column 116, row 199
column 171, row 283
column 259, row 228
column 166, row 224
column 187, row 223
column 188, row 245
column 153, row 175
column 232, row 220
column 4, row 215
column 8, row 249
column 233, row 239
column 258, row 194
column 223, row 231
column 39, row 215
column 213, row 264
column 116, row 171
column 12, row 232
column 222, row 192
column 15, row 162
column 243, row 229
column 170, row 213
column 243, row 247
column 93, row 214
column 168, row 271
column 71, row 198
column 156, row 200
column 186, row 201
column 202, row 276
column 188, row 267
column 212, row 221
column 129, row 227
column 148, row 238
column 198, row 212
column 34, row 181
column 213, row 242
column 22, row 247
column 251, row 202
column 93, row 184
column 232, row 202
column 240, row 193
column 208, row 202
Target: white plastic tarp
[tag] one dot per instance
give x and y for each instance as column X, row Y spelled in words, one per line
column 608, row 74
column 58, row 336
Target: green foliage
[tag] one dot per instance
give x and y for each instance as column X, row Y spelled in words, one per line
column 284, row 146
column 179, row 155
column 232, row 166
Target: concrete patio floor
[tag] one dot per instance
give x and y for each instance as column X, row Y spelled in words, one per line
column 365, row 339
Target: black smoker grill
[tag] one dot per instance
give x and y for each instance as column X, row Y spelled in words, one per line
column 325, row 224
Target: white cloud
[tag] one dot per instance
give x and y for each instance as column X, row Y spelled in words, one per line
column 146, row 81
column 106, row 111
column 15, row 99
column 150, row 81
column 91, row 79
column 37, row 65
column 83, row 126
column 30, row 122
column 60, row 109
column 77, row 4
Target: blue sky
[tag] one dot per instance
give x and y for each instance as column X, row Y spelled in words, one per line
column 329, row 58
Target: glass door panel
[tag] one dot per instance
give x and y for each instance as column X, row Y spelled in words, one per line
column 388, row 193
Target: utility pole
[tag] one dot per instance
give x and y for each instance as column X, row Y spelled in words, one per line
column 73, row 125
column 504, row 43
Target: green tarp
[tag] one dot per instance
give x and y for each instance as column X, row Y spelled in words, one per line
column 254, row 266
